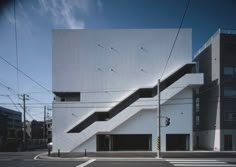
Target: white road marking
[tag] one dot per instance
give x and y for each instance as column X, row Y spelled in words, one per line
column 203, row 165
column 36, row 157
column 198, row 162
column 192, row 160
column 86, row 163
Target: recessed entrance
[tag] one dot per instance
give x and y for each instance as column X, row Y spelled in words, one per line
column 177, row 142
column 124, row 142
column 228, row 142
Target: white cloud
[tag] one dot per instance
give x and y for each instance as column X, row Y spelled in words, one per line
column 22, row 18
column 63, row 13
column 69, row 13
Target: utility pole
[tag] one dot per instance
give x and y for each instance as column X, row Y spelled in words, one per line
column 24, row 98
column 44, row 122
column 159, row 120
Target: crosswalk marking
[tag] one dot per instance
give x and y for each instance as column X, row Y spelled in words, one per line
column 203, row 165
column 199, row 162
column 180, row 162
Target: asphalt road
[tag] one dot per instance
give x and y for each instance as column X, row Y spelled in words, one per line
column 26, row 159
column 130, row 164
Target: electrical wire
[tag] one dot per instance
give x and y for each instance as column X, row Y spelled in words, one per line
column 17, row 62
column 22, row 72
column 135, row 105
column 13, row 103
column 177, row 34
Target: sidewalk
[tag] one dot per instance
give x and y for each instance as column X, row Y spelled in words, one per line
column 138, row 155
column 73, row 157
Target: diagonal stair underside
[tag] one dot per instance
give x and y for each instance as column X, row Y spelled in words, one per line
column 188, row 80
column 140, row 93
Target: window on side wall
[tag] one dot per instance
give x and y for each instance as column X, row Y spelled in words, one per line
column 197, row 121
column 230, row 116
column 230, row 92
column 197, row 67
column 228, row 70
column 197, row 104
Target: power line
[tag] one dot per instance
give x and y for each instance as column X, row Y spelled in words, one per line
column 30, row 115
column 36, row 100
column 17, row 62
column 172, row 48
column 118, row 101
column 22, row 72
column 17, row 107
column 8, row 88
column 111, row 91
column 15, row 93
column 13, row 103
column 135, row 105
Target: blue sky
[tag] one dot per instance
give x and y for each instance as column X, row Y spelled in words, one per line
column 36, row 19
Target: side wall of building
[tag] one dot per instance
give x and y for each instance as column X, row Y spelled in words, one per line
column 217, row 97
column 106, row 66
column 144, row 122
column 208, row 130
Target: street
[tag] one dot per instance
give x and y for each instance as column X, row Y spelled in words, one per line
column 27, row 159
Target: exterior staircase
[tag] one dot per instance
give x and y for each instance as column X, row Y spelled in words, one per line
column 107, row 121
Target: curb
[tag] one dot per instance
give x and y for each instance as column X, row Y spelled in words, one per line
column 43, row 156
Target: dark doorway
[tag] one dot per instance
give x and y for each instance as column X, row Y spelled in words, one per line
column 131, row 142
column 124, row 142
column 228, row 142
column 197, row 142
column 103, row 142
column 177, row 142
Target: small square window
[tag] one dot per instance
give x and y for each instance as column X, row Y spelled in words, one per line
column 228, row 71
column 197, row 121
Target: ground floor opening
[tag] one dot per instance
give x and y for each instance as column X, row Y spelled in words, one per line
column 228, row 142
column 177, row 142
column 124, row 142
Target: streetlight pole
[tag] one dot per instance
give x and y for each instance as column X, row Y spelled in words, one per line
column 44, row 123
column 159, row 120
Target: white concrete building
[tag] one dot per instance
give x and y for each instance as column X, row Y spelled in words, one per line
column 105, row 86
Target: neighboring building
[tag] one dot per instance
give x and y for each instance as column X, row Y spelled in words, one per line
column 215, row 111
column 3, row 131
column 10, row 129
column 105, row 86
column 13, row 118
column 36, row 130
column 39, row 134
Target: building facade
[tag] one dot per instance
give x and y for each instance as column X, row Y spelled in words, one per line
column 10, row 129
column 215, row 111
column 105, row 86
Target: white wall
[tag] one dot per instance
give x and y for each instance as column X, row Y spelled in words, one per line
column 83, row 59
column 96, row 62
column 145, row 122
column 209, row 139
column 67, row 115
column 179, row 110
